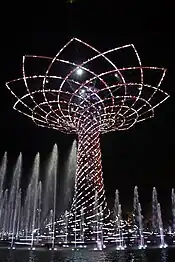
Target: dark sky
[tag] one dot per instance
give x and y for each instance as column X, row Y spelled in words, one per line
column 143, row 155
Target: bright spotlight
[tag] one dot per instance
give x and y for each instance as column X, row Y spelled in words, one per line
column 82, row 91
column 117, row 76
column 79, row 71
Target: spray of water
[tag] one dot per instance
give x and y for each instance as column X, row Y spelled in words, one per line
column 14, row 198
column 66, row 226
column 116, row 205
column 4, row 214
column 82, row 225
column 16, row 217
column 160, row 223
column 51, row 194
column 69, row 177
column 34, row 196
column 117, row 218
column 140, row 218
column 50, row 184
column 173, row 209
column 27, row 209
column 135, row 207
column 155, row 227
column 120, row 232
column 39, row 206
column 19, row 206
column 3, row 168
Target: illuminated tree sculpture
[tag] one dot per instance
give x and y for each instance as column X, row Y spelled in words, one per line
column 88, row 93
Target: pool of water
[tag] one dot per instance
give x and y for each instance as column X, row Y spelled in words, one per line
column 153, row 255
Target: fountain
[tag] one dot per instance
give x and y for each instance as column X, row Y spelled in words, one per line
column 117, row 217
column 14, row 198
column 135, row 209
column 173, row 210
column 100, row 228
column 34, row 194
column 69, row 176
column 120, row 231
column 52, row 176
column 66, row 226
column 155, row 228
column 19, row 200
column 38, row 209
column 138, row 220
column 3, row 168
column 3, row 196
column 4, row 214
column 27, row 209
column 116, row 206
column 75, row 226
column 32, row 224
column 161, row 230
column 82, row 225
column 97, row 222
column 142, row 242
column 16, row 218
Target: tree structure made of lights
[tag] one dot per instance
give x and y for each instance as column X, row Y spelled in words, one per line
column 88, row 97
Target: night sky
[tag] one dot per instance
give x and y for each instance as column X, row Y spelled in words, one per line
column 142, row 156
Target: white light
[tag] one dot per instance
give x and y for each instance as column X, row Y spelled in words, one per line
column 79, row 71
column 116, row 75
column 82, row 91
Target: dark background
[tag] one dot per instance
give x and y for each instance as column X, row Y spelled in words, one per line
column 142, row 156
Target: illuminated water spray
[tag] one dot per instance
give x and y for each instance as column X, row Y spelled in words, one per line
column 3, row 168
column 173, row 209
column 14, row 199
column 155, row 225
column 102, row 93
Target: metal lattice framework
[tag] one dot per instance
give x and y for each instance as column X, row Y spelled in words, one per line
column 88, row 98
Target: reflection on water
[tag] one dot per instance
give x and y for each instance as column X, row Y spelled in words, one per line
column 154, row 255
column 137, row 256
column 164, row 255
